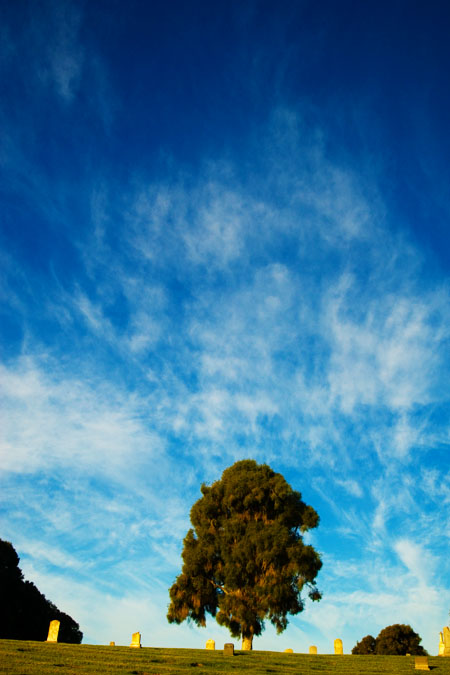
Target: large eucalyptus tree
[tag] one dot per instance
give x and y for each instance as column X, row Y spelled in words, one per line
column 244, row 560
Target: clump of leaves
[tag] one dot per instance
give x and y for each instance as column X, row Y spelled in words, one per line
column 396, row 640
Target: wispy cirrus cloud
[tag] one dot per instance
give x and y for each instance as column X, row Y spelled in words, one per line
column 69, row 422
column 64, row 55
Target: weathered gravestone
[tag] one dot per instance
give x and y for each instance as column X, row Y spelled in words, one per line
column 444, row 642
column 313, row 649
column 338, row 647
column 53, row 631
column 421, row 663
column 136, row 640
column 210, row 644
column 228, row 649
column 288, row 651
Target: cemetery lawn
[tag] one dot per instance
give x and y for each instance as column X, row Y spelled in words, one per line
column 19, row 657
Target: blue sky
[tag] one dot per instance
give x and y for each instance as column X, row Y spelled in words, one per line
column 224, row 234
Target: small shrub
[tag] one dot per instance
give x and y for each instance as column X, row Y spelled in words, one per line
column 396, row 640
column 365, row 646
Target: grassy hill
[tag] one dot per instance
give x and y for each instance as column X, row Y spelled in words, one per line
column 41, row 658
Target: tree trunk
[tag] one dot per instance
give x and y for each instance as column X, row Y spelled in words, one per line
column 247, row 643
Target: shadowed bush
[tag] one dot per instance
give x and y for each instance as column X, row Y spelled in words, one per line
column 396, row 640
column 365, row 646
column 25, row 611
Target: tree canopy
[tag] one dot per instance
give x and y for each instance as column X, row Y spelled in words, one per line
column 26, row 612
column 397, row 640
column 245, row 560
column 365, row 646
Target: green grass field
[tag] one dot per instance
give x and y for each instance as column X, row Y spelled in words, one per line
column 41, row 658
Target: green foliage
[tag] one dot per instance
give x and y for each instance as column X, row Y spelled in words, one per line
column 244, row 560
column 396, row 640
column 399, row 639
column 25, row 612
column 365, row 646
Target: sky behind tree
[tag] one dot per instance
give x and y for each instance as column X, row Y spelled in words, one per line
column 224, row 235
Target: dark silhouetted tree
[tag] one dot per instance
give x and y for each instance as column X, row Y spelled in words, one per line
column 399, row 639
column 365, row 646
column 244, row 560
column 11, row 582
column 25, row 613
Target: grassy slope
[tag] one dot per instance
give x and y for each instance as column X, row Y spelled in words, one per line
column 40, row 658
